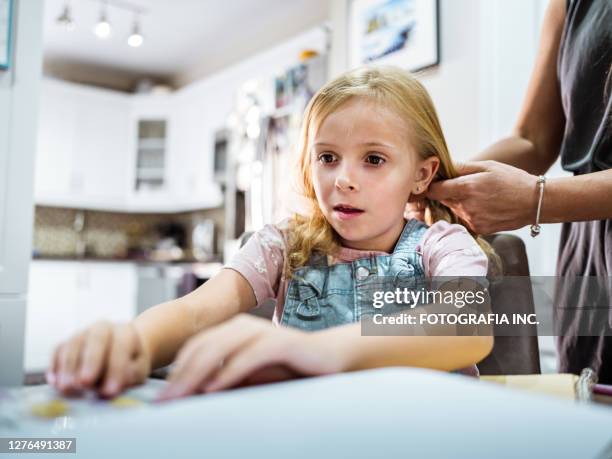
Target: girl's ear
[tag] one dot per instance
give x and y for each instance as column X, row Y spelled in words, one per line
column 426, row 171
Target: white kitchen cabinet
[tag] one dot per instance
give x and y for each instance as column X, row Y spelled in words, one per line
column 51, row 311
column 105, row 290
column 192, row 136
column 101, row 144
column 188, row 152
column 88, row 151
column 82, row 145
column 66, row 296
column 56, row 141
column 149, row 153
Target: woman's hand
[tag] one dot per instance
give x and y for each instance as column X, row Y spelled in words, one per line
column 249, row 350
column 105, row 357
column 488, row 196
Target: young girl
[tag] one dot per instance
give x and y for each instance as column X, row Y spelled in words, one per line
column 371, row 141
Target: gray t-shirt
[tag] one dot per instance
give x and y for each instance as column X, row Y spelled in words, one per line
column 585, row 76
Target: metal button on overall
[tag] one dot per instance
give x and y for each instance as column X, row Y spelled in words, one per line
column 362, row 272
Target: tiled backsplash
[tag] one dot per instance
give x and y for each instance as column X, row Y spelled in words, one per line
column 109, row 234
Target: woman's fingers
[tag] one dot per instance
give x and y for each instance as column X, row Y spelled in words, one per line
column 460, row 187
column 472, row 167
column 452, row 189
column 479, row 196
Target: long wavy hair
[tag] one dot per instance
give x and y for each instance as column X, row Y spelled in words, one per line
column 393, row 88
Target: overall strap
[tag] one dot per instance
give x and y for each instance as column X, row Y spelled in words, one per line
column 411, row 237
column 404, row 259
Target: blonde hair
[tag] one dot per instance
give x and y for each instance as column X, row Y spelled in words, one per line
column 393, row 88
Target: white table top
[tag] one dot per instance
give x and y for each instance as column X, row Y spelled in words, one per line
column 395, row 412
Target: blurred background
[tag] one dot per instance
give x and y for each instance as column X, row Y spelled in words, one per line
column 167, row 128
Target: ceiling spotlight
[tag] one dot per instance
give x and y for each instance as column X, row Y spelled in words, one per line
column 103, row 27
column 65, row 19
column 136, row 38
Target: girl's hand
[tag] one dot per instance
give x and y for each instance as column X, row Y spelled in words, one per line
column 247, row 349
column 105, row 357
column 489, row 196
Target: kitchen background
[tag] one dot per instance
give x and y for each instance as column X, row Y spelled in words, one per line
column 153, row 157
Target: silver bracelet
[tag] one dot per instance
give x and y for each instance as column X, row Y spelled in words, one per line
column 535, row 228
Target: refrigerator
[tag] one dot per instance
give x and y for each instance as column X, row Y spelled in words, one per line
column 20, row 72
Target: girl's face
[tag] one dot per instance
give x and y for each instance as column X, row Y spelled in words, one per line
column 364, row 168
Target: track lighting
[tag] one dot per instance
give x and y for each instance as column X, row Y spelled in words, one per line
column 135, row 39
column 65, row 19
column 103, row 29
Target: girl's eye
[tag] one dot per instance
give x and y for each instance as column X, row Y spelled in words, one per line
column 375, row 160
column 326, row 158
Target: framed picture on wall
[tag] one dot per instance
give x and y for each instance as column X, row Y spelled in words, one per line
column 6, row 10
column 404, row 33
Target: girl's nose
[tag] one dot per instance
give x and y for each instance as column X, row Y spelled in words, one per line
column 344, row 183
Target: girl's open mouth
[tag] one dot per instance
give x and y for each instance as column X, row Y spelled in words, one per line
column 345, row 212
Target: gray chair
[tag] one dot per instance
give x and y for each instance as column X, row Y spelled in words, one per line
column 512, row 355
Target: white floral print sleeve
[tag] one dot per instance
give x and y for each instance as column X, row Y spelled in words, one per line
column 260, row 261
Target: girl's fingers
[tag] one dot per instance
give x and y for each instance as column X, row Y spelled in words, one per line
column 118, row 360
column 202, row 357
column 53, row 370
column 95, row 352
column 141, row 361
column 186, row 379
column 142, row 367
column 247, row 360
column 269, row 374
column 135, row 373
column 69, row 360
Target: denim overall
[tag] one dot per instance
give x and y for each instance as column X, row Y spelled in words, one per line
column 320, row 296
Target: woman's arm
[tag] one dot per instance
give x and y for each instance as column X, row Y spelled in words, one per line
column 534, row 144
column 500, row 194
column 491, row 197
column 579, row 198
column 165, row 328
